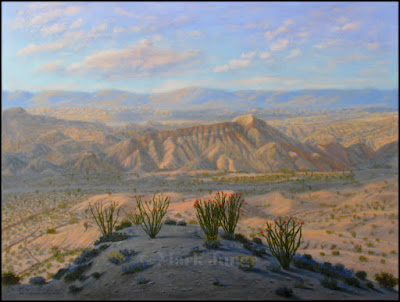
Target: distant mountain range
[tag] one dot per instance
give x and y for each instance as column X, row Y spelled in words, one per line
column 202, row 99
column 40, row 144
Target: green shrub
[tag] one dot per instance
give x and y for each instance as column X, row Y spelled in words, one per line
column 335, row 253
column 322, row 253
column 9, row 278
column 352, row 281
column 124, row 224
column 362, row 275
column 113, row 237
column 208, row 215
column 370, row 285
column 192, row 221
column 363, row 259
column 230, row 211
column 383, row 261
column 329, row 283
column 104, row 217
column 51, row 231
column 245, row 262
column 73, row 221
column 152, row 213
column 75, row 272
column 283, row 239
column 386, row 280
column 96, row 275
column 241, row 238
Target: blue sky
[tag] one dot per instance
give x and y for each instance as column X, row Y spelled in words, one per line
column 155, row 47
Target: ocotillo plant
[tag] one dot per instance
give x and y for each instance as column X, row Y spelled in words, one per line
column 208, row 214
column 283, row 239
column 134, row 217
column 104, row 217
column 152, row 213
column 230, row 211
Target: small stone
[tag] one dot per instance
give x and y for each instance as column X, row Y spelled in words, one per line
column 38, row 280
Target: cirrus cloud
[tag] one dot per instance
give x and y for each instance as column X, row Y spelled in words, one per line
column 140, row 61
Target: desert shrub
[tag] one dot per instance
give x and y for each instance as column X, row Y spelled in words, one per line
column 134, row 268
column 230, row 211
column 208, row 215
column 76, row 271
column 257, row 240
column 55, row 251
column 9, row 278
column 322, row 253
column 170, row 222
column 363, row 259
column 73, row 289
column 370, row 285
column 104, row 217
column 96, row 275
column 212, row 242
column 134, row 217
column 88, row 255
column 51, row 231
column 329, row 283
column 194, row 250
column 73, row 220
column 116, row 258
column 141, row 280
column 113, row 237
column 386, row 280
column 358, row 248
column 307, row 256
column 362, row 275
column 335, row 253
column 299, row 283
column 352, row 281
column 240, row 237
column 127, row 252
column 60, row 273
column 124, row 224
column 383, row 261
column 284, row 291
column 192, row 221
column 284, row 239
column 152, row 213
column 244, row 262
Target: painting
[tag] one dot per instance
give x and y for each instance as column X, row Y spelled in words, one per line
column 199, row 150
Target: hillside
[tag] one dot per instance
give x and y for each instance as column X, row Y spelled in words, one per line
column 246, row 143
column 173, row 272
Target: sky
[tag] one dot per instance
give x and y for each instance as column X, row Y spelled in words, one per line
column 162, row 46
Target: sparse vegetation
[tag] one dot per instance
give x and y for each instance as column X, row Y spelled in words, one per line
column 283, row 239
column 152, row 213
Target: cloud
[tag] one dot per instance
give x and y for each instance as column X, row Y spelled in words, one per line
column 196, row 33
column 48, row 16
column 270, row 34
column 294, row 53
column 131, row 28
column 76, row 24
column 140, row 61
column 353, row 57
column 265, row 55
column 50, row 67
column 52, row 29
column 351, row 26
column 248, row 55
column 372, row 46
column 279, row 45
column 69, row 39
column 233, row 64
column 124, row 12
column 326, row 44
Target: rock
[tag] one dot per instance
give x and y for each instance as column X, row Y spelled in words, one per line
column 38, row 280
column 181, row 223
column 170, row 222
